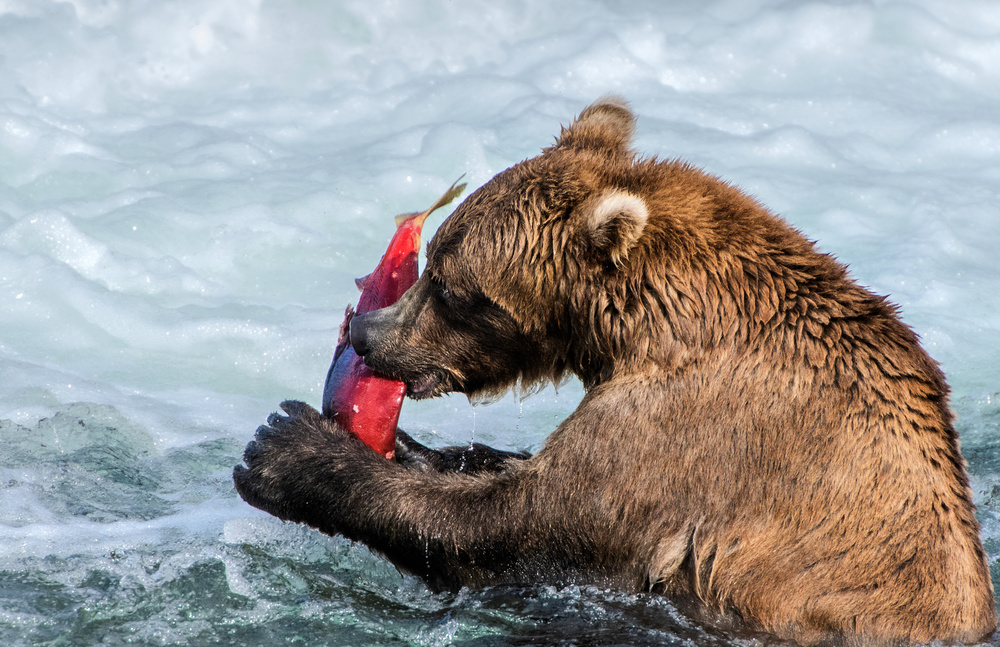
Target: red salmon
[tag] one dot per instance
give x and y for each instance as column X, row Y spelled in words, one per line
column 363, row 403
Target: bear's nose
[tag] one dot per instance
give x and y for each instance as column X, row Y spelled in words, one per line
column 359, row 334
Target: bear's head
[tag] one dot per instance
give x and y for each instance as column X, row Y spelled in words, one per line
column 540, row 272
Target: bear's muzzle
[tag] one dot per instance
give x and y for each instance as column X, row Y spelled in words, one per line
column 367, row 329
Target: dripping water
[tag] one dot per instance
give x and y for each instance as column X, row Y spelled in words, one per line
column 472, row 438
column 519, row 396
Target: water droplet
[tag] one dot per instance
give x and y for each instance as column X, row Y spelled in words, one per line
column 519, row 397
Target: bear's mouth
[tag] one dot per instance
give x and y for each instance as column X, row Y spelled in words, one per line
column 424, row 387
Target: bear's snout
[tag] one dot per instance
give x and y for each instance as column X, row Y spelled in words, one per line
column 359, row 334
column 369, row 331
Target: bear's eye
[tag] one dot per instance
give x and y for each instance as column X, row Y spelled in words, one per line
column 443, row 294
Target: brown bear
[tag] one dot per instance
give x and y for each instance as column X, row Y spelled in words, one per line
column 761, row 439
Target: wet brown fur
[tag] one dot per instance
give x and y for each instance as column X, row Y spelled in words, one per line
column 761, row 438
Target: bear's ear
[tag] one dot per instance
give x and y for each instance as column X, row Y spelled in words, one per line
column 606, row 124
column 612, row 223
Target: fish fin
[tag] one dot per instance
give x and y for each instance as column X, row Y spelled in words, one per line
column 453, row 192
column 403, row 217
column 344, row 336
column 362, row 282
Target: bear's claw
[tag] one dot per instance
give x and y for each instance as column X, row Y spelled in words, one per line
column 255, row 479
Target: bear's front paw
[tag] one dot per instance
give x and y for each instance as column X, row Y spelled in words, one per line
column 414, row 456
column 272, row 477
column 303, row 467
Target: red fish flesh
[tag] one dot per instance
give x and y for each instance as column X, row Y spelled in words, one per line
column 365, row 404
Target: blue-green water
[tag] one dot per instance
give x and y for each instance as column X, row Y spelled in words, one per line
column 109, row 541
column 146, row 563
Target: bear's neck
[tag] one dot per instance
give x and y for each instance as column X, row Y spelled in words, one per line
column 790, row 306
